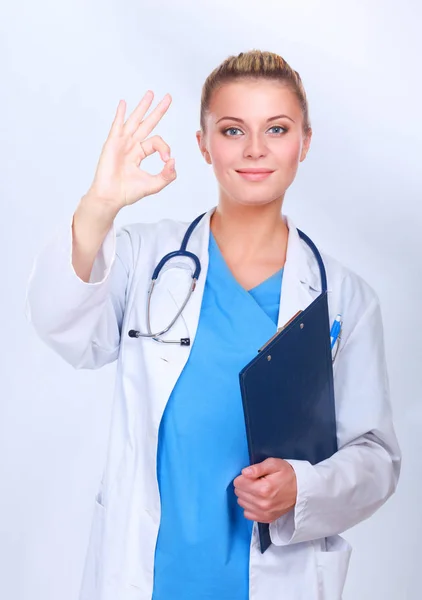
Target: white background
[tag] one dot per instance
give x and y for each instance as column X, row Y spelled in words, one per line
column 65, row 65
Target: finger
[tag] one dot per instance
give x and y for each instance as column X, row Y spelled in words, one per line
column 259, row 488
column 251, row 516
column 256, row 496
column 147, row 125
column 244, row 483
column 247, row 505
column 247, row 497
column 155, row 183
column 119, row 119
column 138, row 114
column 147, row 147
column 258, row 517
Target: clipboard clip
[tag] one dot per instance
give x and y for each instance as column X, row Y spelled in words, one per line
column 279, row 330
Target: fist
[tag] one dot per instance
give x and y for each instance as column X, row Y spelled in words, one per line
column 266, row 490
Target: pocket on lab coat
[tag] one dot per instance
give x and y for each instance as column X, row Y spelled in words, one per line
column 332, row 562
column 92, row 574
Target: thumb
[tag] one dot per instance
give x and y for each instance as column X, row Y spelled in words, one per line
column 266, row 467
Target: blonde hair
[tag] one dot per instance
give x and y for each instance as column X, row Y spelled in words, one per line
column 252, row 66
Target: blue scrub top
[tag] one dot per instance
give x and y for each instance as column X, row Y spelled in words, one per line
column 203, row 543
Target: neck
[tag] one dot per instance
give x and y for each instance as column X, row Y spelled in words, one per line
column 249, row 232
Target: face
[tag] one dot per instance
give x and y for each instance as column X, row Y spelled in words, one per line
column 250, row 138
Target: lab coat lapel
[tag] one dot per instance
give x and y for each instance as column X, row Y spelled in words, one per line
column 300, row 275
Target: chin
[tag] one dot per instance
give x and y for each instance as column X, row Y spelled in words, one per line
column 253, row 199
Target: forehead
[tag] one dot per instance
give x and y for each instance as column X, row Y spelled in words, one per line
column 254, row 100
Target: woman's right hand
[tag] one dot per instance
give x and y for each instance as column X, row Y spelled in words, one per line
column 118, row 179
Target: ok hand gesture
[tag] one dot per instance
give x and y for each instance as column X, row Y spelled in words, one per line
column 118, row 180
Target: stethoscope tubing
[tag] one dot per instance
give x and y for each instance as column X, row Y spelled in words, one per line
column 195, row 276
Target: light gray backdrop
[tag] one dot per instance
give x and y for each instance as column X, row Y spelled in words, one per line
column 65, row 65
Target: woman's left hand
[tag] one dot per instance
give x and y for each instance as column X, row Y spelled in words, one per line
column 266, row 490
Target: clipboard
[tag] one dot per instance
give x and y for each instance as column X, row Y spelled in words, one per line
column 288, row 394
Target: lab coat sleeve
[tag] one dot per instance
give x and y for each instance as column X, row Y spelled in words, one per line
column 351, row 485
column 80, row 320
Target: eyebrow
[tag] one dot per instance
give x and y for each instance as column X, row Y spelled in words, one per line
column 268, row 120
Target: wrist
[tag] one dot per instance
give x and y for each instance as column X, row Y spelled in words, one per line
column 98, row 210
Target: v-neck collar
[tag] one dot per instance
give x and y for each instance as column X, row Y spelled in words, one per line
column 236, row 300
column 256, row 288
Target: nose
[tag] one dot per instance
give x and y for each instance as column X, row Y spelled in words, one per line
column 255, row 146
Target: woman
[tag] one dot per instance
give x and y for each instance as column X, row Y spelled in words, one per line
column 176, row 513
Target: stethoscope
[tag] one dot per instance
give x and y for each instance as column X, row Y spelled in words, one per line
column 195, row 275
column 156, row 273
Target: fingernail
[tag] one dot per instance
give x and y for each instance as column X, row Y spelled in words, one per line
column 172, row 166
column 166, row 156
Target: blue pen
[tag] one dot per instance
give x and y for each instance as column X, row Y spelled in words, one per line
column 335, row 330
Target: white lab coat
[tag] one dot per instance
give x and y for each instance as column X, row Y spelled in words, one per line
column 88, row 324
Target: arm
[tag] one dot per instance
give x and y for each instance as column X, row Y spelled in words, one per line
column 80, row 317
column 77, row 288
column 92, row 221
column 351, row 485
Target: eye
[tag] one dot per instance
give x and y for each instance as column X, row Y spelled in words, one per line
column 283, row 129
column 225, row 131
column 231, row 129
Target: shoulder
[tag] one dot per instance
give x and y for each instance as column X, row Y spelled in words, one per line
column 132, row 239
column 349, row 295
column 342, row 281
column 346, row 282
column 138, row 232
column 345, row 286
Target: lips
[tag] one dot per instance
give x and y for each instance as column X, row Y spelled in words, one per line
column 254, row 171
column 254, row 174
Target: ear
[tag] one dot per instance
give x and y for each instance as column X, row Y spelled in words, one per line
column 201, row 143
column 306, row 143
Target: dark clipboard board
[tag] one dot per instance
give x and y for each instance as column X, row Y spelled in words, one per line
column 288, row 394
